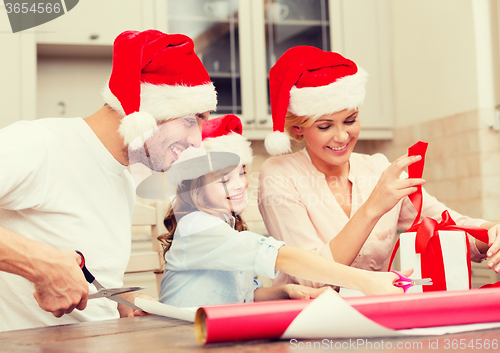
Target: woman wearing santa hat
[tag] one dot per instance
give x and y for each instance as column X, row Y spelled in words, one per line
column 326, row 198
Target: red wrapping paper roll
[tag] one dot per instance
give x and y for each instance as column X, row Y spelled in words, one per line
column 431, row 309
column 246, row 321
column 270, row 319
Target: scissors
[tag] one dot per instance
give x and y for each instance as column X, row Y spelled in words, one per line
column 110, row 293
column 406, row 283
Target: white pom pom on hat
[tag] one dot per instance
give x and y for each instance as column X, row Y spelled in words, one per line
column 277, row 143
column 132, row 124
column 308, row 81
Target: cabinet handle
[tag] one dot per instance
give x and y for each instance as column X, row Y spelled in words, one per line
column 94, row 36
column 263, row 121
column 250, row 121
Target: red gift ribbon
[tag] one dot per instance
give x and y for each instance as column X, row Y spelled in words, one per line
column 429, row 227
column 416, row 170
column 428, row 246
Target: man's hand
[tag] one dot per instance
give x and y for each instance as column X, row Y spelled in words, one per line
column 60, row 285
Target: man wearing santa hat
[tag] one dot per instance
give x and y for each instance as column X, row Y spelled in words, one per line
column 64, row 185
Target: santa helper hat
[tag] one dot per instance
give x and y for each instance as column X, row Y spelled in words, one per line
column 308, row 81
column 223, row 143
column 224, row 134
column 156, row 77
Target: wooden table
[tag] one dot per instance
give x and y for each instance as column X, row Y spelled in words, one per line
column 149, row 334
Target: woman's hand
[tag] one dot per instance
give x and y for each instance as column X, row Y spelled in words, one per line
column 493, row 252
column 297, row 291
column 381, row 283
column 390, row 188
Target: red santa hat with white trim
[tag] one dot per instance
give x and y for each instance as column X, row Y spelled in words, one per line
column 156, row 77
column 224, row 134
column 308, row 81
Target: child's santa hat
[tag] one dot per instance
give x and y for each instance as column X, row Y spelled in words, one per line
column 308, row 81
column 156, row 77
column 223, row 148
column 224, row 134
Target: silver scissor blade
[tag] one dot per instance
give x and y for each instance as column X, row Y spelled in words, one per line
column 125, row 302
column 422, row 282
column 108, row 292
column 97, row 285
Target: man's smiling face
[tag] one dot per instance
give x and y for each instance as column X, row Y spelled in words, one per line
column 168, row 141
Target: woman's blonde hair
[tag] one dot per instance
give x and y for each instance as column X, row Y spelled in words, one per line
column 292, row 120
column 191, row 197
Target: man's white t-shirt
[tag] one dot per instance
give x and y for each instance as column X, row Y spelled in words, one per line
column 59, row 185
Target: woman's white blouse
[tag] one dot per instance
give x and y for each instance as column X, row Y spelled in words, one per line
column 209, row 262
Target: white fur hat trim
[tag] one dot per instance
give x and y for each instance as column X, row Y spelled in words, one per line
column 277, row 143
column 231, row 142
column 134, row 125
column 165, row 102
column 345, row 93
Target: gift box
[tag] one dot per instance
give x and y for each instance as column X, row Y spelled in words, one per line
column 436, row 250
column 442, row 255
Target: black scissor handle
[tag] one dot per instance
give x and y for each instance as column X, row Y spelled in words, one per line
column 88, row 276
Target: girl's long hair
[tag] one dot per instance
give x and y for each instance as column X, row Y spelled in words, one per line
column 191, row 197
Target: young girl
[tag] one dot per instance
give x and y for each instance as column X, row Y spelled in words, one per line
column 211, row 256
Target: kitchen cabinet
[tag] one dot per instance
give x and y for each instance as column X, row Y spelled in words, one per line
column 239, row 41
column 97, row 22
column 222, row 37
column 18, row 73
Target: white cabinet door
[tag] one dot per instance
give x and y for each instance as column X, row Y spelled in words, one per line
column 18, row 73
column 97, row 22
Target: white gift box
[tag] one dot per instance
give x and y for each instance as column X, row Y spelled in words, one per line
column 455, row 258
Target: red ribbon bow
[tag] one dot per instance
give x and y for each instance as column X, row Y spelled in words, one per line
column 425, row 244
column 429, row 227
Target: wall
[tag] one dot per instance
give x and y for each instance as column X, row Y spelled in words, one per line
column 452, row 170
column 434, row 62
